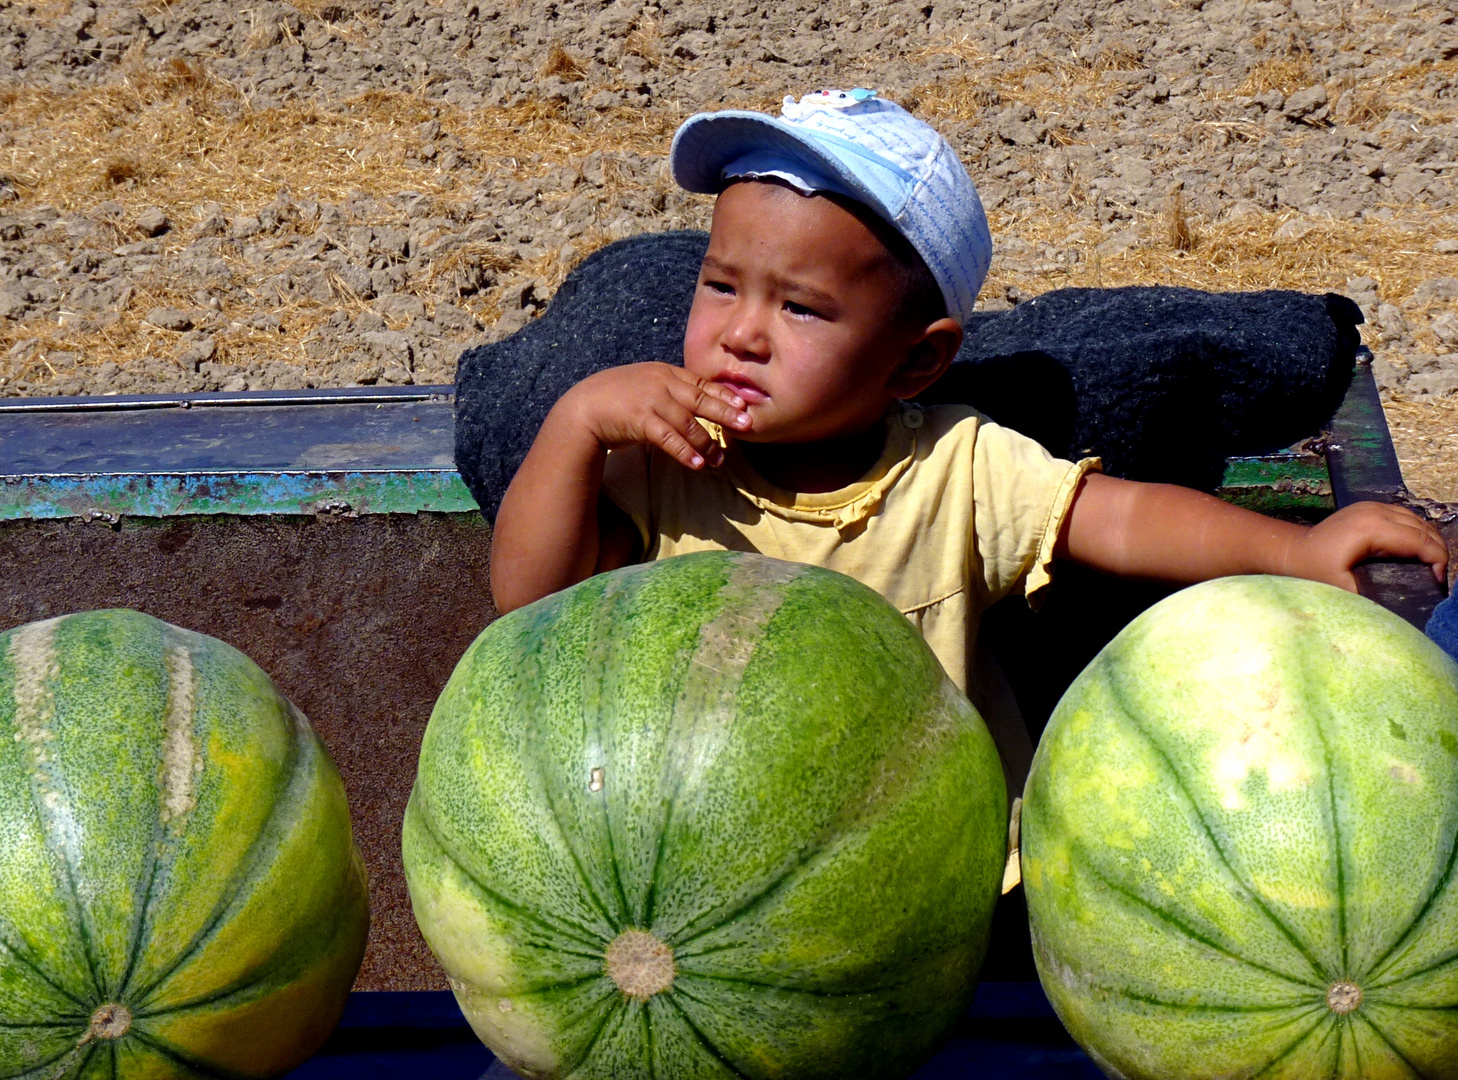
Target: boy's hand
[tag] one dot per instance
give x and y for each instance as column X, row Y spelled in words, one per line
column 548, row 533
column 657, row 405
column 1368, row 530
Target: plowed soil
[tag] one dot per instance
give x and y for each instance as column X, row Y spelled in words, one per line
column 202, row 195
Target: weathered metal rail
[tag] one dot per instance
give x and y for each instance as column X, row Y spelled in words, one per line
column 1363, row 466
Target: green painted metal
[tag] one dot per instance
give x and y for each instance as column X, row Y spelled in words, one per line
column 112, row 496
column 1280, row 484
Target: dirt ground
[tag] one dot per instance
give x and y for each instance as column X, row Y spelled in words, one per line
column 205, row 195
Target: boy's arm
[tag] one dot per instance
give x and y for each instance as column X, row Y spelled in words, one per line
column 1176, row 534
column 551, row 531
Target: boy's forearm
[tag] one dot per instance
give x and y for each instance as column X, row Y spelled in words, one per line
column 546, row 532
column 1174, row 534
column 1179, row 535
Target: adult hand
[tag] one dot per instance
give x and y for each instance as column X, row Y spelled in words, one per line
column 658, row 405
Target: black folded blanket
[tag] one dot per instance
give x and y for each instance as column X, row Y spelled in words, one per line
column 1162, row 383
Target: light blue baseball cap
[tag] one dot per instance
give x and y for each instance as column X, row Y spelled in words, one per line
column 853, row 143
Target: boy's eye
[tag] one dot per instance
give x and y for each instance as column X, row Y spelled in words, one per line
column 800, row 310
column 720, row 287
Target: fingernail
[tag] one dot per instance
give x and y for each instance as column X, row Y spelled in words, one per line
column 696, row 461
column 742, row 420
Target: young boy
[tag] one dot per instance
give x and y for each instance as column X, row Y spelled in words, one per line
column 847, row 248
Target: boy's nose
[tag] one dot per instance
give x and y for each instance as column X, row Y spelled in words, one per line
column 747, row 333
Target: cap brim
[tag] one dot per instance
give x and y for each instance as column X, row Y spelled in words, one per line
column 709, row 142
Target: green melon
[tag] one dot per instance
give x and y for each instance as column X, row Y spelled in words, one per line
column 716, row 816
column 179, row 892
column 1239, row 840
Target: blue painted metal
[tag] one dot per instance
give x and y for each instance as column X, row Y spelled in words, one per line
column 354, row 451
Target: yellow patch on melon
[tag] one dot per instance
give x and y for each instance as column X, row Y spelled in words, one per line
column 1257, row 743
column 1257, row 725
column 181, row 756
column 297, row 1017
column 1404, row 773
column 471, row 943
column 33, row 657
column 511, row 1028
column 1305, row 894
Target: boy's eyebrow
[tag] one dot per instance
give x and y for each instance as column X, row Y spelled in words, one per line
column 809, row 292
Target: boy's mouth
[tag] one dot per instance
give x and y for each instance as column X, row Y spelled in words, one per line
column 749, row 391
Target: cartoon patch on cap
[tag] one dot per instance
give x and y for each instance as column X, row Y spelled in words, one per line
column 825, row 99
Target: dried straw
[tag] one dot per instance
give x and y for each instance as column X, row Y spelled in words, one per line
column 192, row 139
column 1425, row 432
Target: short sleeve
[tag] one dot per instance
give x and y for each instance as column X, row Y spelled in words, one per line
column 625, row 480
column 1021, row 494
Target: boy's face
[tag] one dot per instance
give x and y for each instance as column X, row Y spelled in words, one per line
column 796, row 309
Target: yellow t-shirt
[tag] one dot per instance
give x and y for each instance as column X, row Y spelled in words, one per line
column 957, row 513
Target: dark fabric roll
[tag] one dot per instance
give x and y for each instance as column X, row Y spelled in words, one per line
column 624, row 304
column 1162, row 383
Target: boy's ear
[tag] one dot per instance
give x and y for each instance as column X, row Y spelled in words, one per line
column 931, row 353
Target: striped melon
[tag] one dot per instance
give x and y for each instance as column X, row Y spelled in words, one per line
column 179, row 892
column 1239, row 840
column 716, row 816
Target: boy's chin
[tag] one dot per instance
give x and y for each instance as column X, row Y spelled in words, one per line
column 798, row 437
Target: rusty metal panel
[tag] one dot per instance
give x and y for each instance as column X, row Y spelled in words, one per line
column 359, row 620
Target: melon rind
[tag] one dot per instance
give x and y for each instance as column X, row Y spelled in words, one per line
column 1249, row 797
column 173, row 838
column 792, row 796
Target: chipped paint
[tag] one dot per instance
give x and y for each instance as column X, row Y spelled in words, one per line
column 110, row 497
column 1279, row 483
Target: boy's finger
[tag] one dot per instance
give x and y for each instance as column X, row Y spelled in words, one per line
column 681, row 435
column 713, row 389
column 686, row 422
column 710, row 401
column 663, row 435
column 1423, row 541
column 723, row 414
